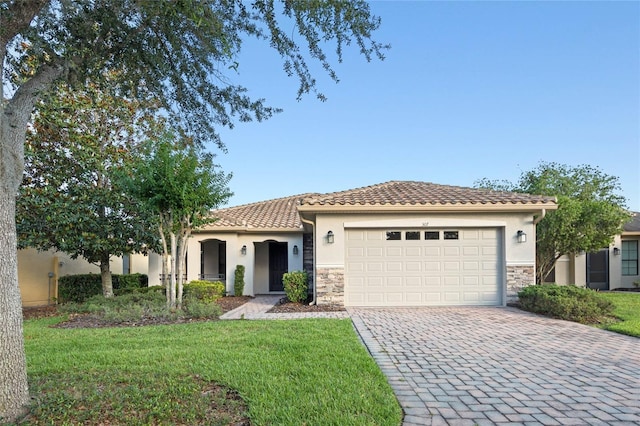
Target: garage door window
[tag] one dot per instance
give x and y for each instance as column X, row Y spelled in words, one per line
column 412, row 235
column 394, row 235
column 450, row 235
column 432, row 235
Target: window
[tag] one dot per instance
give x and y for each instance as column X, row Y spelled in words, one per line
column 432, row 235
column 412, row 235
column 450, row 235
column 393, row 235
column 630, row 258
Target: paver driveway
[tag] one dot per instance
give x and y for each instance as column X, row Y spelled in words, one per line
column 466, row 366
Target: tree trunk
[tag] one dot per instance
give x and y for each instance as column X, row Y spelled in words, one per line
column 165, row 264
column 174, row 258
column 105, row 275
column 14, row 391
column 185, row 233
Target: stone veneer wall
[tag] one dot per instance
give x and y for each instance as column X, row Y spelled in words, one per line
column 518, row 277
column 330, row 286
column 307, row 258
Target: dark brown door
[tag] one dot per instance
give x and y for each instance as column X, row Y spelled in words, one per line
column 278, row 264
column 598, row 270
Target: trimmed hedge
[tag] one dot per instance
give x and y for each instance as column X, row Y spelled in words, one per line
column 78, row 288
column 295, row 286
column 205, row 291
column 238, row 281
column 566, row 302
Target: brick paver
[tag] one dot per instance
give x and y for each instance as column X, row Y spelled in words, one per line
column 465, row 365
column 257, row 308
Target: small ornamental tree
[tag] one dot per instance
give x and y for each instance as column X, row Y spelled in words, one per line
column 180, row 185
column 590, row 210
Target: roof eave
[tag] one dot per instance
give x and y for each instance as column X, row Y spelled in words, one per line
column 244, row 229
column 440, row 208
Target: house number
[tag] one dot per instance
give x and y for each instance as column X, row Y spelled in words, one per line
column 425, row 223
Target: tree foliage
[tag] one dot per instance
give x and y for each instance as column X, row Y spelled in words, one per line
column 180, row 185
column 590, row 211
column 71, row 200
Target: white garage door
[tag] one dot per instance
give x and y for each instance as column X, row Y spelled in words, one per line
column 420, row 268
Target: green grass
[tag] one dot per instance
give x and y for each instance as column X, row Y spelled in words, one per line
column 627, row 309
column 313, row 372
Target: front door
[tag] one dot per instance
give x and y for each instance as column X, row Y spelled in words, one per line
column 598, row 270
column 278, row 265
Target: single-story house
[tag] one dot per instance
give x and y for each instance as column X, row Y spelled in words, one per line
column 398, row 243
column 611, row 268
column 392, row 244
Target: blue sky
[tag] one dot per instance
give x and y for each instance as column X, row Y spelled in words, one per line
column 468, row 90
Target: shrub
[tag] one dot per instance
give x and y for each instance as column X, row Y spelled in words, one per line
column 205, row 291
column 295, row 286
column 238, row 282
column 78, row 288
column 566, row 302
column 196, row 308
column 126, row 308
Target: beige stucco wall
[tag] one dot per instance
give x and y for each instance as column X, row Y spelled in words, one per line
column 256, row 275
column 36, row 288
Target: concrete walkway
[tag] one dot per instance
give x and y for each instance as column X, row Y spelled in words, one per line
column 257, row 308
column 502, row 366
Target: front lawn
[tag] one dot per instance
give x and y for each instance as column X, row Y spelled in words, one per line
column 313, row 372
column 627, row 309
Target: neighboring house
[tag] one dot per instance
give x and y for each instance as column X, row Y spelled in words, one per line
column 38, row 272
column 612, row 267
column 392, row 244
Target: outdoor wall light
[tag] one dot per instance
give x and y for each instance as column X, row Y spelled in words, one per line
column 522, row 237
column 243, row 250
column 330, row 237
column 295, row 250
column 616, row 251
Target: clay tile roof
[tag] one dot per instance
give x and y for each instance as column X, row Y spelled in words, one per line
column 421, row 193
column 280, row 213
column 634, row 223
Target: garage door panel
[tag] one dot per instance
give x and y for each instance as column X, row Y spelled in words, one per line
column 413, row 281
column 374, row 252
column 471, row 251
column 374, row 235
column 470, row 266
column 411, row 266
column 393, row 251
column 452, row 251
column 395, row 281
column 451, row 266
column 374, row 281
column 353, row 252
column 355, row 235
column 464, row 271
column 413, row 251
